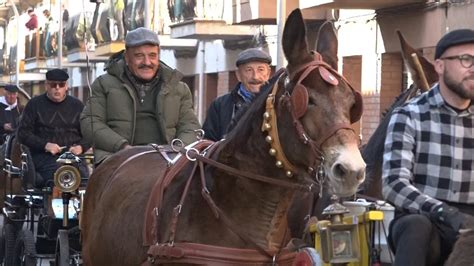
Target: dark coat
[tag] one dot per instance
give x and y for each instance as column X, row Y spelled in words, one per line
column 220, row 114
column 9, row 116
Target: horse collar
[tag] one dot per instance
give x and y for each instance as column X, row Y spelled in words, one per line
column 270, row 125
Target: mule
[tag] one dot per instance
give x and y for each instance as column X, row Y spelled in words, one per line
column 230, row 203
column 373, row 150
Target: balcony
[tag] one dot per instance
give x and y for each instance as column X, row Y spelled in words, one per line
column 356, row 4
column 204, row 20
column 5, row 6
column 264, row 12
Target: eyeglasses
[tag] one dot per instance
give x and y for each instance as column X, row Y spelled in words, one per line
column 53, row 84
column 466, row 60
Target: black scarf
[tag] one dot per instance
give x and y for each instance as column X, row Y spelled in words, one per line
column 141, row 86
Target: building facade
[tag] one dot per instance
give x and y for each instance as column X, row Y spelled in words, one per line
column 202, row 39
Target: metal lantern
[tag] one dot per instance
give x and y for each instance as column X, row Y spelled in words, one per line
column 339, row 241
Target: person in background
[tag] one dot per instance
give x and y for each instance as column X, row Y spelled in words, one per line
column 50, row 125
column 253, row 70
column 139, row 100
column 117, row 13
column 428, row 163
column 10, row 110
column 49, row 45
column 32, row 23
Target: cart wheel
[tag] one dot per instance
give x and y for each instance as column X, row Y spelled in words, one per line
column 25, row 250
column 62, row 249
column 9, row 232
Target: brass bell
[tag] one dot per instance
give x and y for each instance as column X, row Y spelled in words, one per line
column 279, row 164
column 266, row 116
column 289, row 173
column 272, row 152
column 269, row 139
column 267, row 126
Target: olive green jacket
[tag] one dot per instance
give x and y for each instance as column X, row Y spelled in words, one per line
column 111, row 111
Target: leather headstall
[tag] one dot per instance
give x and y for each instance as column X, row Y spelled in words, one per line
column 300, row 96
column 299, row 99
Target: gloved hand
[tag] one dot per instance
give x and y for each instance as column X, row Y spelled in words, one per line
column 448, row 216
column 449, row 220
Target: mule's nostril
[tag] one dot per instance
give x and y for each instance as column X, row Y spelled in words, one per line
column 361, row 175
column 339, row 170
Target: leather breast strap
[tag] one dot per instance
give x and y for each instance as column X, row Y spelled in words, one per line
column 215, row 256
column 150, row 232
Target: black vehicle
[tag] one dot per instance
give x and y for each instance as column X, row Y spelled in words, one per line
column 42, row 223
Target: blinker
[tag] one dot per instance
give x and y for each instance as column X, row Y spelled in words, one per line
column 327, row 76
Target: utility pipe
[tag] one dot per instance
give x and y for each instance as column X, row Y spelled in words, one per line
column 17, row 16
column 60, row 36
column 281, row 17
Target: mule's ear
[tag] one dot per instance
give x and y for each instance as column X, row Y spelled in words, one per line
column 326, row 43
column 428, row 68
column 294, row 38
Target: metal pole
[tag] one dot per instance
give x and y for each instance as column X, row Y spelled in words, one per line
column 147, row 15
column 201, row 109
column 60, row 36
column 17, row 16
column 281, row 17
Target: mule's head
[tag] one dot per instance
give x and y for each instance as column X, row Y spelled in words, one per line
column 319, row 105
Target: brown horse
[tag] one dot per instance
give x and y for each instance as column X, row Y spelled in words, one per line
column 233, row 208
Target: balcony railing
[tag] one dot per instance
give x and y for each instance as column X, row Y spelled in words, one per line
column 184, row 10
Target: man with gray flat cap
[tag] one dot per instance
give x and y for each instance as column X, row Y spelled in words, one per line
column 139, row 100
column 253, row 71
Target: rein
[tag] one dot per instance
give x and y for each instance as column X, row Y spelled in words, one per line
column 170, row 250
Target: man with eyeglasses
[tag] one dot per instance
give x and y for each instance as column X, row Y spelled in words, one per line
column 428, row 166
column 50, row 125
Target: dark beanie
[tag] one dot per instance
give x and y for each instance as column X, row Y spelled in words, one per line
column 11, row 88
column 453, row 38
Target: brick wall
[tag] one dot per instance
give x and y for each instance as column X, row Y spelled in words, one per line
column 222, row 83
column 352, row 71
column 371, row 116
column 391, row 84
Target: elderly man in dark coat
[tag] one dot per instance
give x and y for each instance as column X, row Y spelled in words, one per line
column 253, row 70
column 10, row 110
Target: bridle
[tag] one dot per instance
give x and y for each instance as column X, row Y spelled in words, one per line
column 297, row 101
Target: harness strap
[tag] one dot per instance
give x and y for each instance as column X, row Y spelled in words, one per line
column 177, row 209
column 257, row 177
column 202, row 254
column 150, row 233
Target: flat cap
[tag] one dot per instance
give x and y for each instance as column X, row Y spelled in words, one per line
column 57, row 75
column 453, row 38
column 141, row 36
column 253, row 55
column 11, row 88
